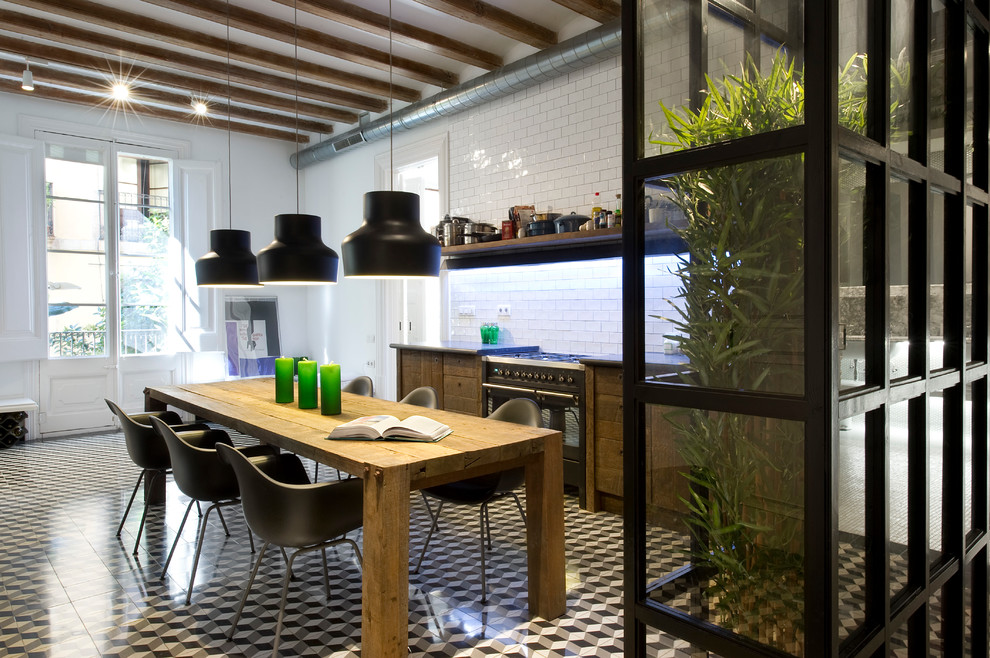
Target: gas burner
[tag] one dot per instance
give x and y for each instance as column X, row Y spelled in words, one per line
column 548, row 357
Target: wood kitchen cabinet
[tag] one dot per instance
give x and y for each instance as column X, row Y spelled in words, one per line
column 603, row 386
column 455, row 376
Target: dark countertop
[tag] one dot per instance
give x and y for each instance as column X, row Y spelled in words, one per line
column 465, row 347
column 659, row 360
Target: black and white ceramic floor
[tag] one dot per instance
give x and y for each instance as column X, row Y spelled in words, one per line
column 69, row 587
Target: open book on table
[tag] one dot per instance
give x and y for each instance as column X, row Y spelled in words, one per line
column 376, row 428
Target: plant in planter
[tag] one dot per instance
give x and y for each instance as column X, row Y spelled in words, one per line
column 740, row 324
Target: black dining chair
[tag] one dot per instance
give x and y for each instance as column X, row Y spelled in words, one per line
column 485, row 489
column 307, row 517
column 362, row 385
column 202, row 476
column 424, row 396
column 148, row 452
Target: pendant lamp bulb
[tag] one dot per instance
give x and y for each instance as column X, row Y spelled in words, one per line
column 230, row 262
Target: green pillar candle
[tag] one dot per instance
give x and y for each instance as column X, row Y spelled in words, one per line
column 330, row 389
column 283, row 380
column 307, row 384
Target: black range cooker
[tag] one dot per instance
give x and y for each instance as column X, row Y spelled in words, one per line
column 556, row 383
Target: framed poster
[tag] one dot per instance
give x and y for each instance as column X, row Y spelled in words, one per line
column 251, row 327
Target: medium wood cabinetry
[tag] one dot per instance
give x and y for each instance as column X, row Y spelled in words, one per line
column 664, row 483
column 455, row 376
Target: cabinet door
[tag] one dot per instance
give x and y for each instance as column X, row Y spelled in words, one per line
column 462, row 384
column 418, row 368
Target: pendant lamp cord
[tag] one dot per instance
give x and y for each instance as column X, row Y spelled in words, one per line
column 295, row 57
column 230, row 162
column 391, row 102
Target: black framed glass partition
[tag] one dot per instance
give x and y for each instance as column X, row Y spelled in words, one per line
column 812, row 481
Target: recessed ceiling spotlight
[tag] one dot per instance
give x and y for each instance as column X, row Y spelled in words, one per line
column 120, row 91
column 200, row 108
column 27, row 78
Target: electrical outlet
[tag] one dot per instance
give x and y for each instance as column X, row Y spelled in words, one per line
column 370, row 364
column 465, row 310
column 370, row 338
column 504, row 309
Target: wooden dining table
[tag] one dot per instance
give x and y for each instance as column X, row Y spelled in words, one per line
column 390, row 471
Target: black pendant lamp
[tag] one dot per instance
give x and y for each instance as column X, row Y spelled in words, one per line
column 391, row 243
column 229, row 263
column 297, row 256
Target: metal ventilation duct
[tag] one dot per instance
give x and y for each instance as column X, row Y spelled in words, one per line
column 594, row 46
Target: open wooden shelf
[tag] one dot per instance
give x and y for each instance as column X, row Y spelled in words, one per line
column 554, row 247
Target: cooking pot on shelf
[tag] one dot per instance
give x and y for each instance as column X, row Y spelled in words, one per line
column 540, row 227
column 545, row 216
column 569, row 223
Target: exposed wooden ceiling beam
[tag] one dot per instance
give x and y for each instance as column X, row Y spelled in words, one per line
column 97, row 14
column 266, row 26
column 196, row 86
column 354, row 16
column 181, row 102
column 497, row 20
column 90, row 101
column 117, row 48
column 599, row 10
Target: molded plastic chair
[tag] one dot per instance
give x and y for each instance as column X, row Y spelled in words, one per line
column 362, row 385
column 200, row 475
column 485, row 489
column 305, row 517
column 424, row 396
column 148, row 451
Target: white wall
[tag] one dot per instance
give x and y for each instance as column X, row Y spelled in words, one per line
column 263, row 185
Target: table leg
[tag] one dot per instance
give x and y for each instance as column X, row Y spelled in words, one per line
column 385, row 595
column 545, row 531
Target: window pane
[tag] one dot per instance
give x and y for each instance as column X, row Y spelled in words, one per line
column 968, row 465
column 936, row 84
column 143, row 205
column 853, row 212
column 76, row 330
column 852, row 525
column 902, row 63
column 936, row 277
column 897, row 245
column 968, row 281
column 75, row 225
column 970, row 94
column 743, row 529
column 936, row 455
column 740, row 295
column 852, row 65
column 898, row 483
column 735, row 72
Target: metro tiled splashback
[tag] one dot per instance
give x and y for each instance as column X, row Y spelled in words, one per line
column 562, row 307
column 552, row 145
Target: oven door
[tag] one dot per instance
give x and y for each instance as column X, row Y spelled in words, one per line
column 561, row 411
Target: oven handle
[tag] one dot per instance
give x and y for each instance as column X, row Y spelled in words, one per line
column 502, row 387
column 532, row 391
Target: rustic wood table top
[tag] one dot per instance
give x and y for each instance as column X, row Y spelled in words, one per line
column 390, row 470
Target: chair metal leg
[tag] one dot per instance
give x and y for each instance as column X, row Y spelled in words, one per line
column 281, row 605
column 222, row 522
column 316, row 471
column 483, row 514
column 429, row 536
column 426, row 501
column 486, row 529
column 199, row 548
column 522, row 512
column 178, row 535
column 247, row 591
column 127, row 509
column 326, row 573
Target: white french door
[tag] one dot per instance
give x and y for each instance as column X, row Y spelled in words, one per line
column 108, row 224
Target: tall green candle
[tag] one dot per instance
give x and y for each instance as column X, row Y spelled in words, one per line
column 283, row 380
column 307, row 384
column 330, row 389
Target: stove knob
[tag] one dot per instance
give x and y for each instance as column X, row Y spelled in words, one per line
column 561, row 379
column 529, row 375
column 543, row 377
column 570, row 380
column 515, row 374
